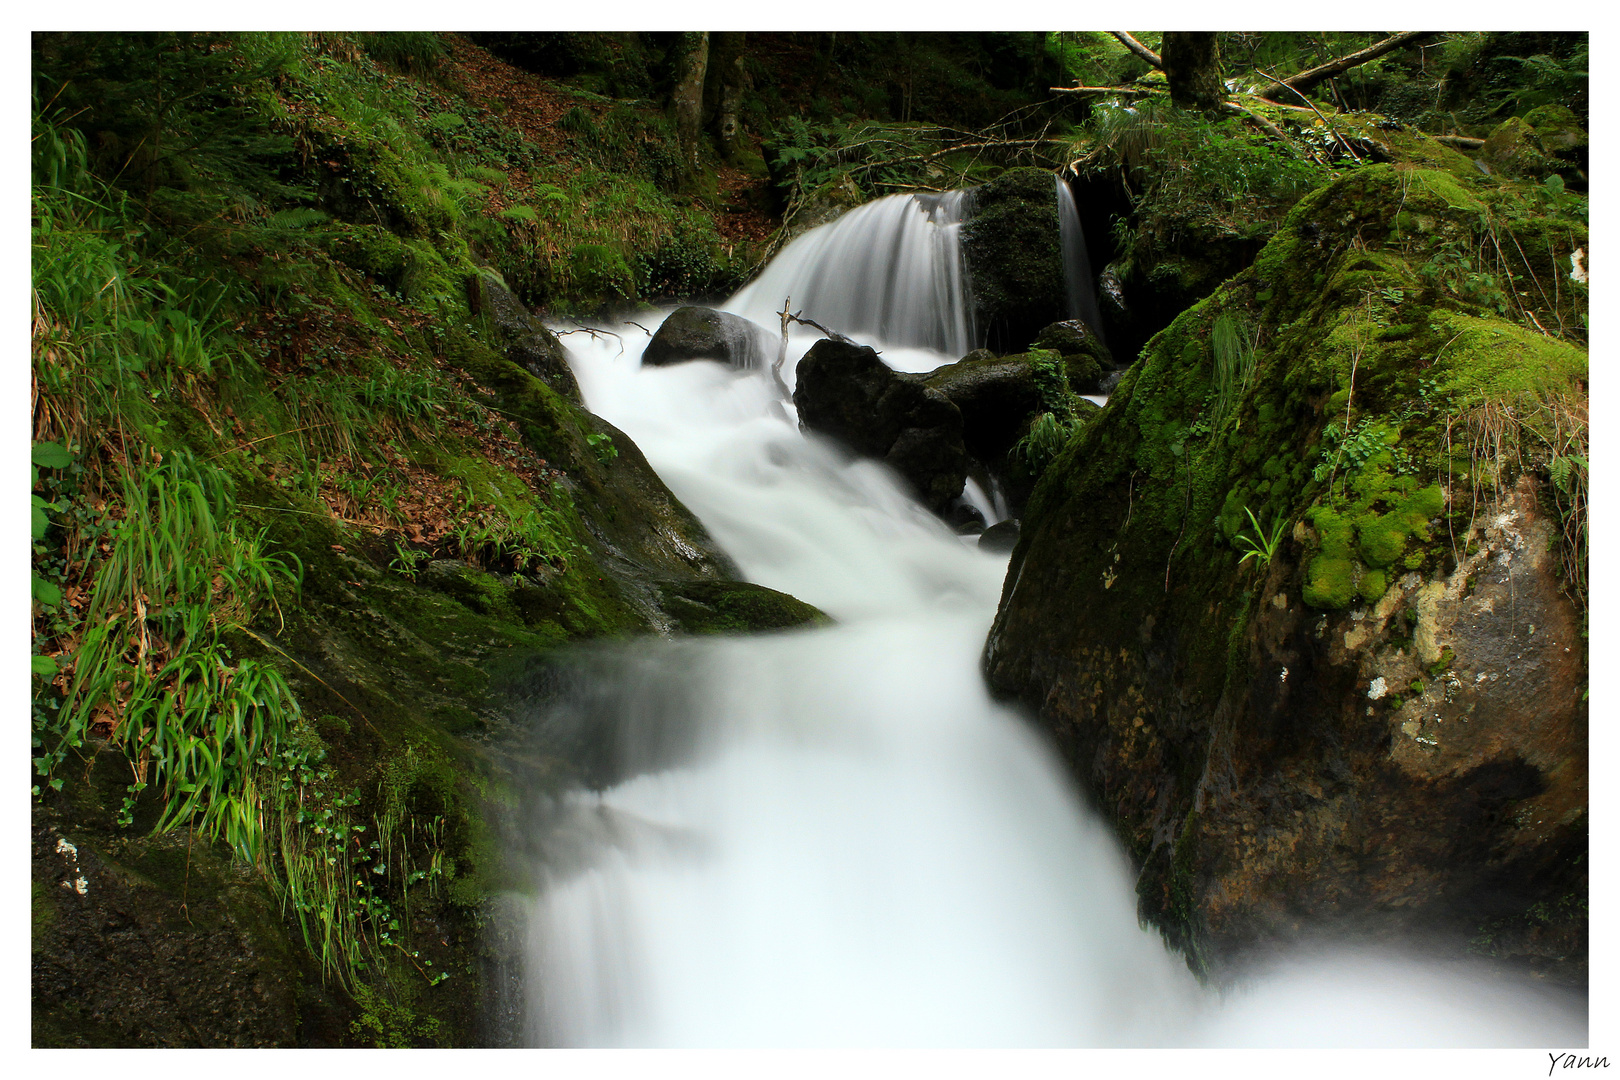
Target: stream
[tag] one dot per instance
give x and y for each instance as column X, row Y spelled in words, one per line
column 834, row 836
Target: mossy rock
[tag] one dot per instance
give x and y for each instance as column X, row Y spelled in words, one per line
column 1011, row 247
column 1185, row 654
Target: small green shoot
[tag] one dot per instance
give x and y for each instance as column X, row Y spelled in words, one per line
column 1261, row 546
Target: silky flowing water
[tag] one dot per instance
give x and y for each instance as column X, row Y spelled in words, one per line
column 834, row 836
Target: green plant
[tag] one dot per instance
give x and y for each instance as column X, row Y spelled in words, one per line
column 407, row 561
column 1047, row 436
column 1261, row 546
column 1232, row 342
column 602, row 443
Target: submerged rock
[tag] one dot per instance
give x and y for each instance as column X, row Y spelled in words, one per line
column 700, row 333
column 1367, row 713
column 1000, row 537
column 847, row 393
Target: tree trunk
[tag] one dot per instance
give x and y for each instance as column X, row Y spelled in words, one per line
column 726, row 62
column 692, row 61
column 1192, row 63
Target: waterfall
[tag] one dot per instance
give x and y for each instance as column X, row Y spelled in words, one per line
column 1076, row 265
column 890, row 270
column 833, row 836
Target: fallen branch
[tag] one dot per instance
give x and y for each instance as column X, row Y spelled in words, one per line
column 1239, row 109
column 1135, row 91
column 1322, row 72
column 1461, row 142
column 1138, row 48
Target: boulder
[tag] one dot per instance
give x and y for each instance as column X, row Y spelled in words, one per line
column 996, row 396
column 1001, row 537
column 1366, row 715
column 1085, row 356
column 700, row 333
column 1547, row 141
column 524, row 338
column 1014, row 258
column 847, row 393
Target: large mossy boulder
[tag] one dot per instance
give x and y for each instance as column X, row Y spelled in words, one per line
column 1014, row 258
column 1367, row 714
column 845, row 392
column 701, row 333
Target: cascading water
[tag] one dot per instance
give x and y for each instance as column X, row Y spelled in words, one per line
column 889, row 272
column 1076, row 263
column 834, row 836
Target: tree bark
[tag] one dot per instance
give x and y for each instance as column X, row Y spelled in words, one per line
column 1322, row 72
column 692, row 62
column 729, row 71
column 1192, row 63
column 1138, row 48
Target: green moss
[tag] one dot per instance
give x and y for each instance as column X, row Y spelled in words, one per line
column 730, row 607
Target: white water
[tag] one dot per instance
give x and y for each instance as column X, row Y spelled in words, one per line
column 857, row 846
column 889, row 273
column 1076, row 263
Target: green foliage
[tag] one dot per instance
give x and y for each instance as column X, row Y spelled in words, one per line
column 1192, row 176
column 1262, row 545
column 1232, row 342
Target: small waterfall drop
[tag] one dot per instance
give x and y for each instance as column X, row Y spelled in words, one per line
column 890, row 270
column 1076, row 264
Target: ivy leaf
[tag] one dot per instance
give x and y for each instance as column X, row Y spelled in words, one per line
column 51, row 455
column 46, row 593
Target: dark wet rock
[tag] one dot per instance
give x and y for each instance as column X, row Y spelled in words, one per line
column 1379, row 728
column 1014, row 258
column 700, row 333
column 527, row 341
column 847, row 393
column 996, row 395
column 1002, row 536
column 964, row 517
column 148, row 941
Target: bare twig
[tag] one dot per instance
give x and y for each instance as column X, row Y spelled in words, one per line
column 1342, row 140
column 638, row 326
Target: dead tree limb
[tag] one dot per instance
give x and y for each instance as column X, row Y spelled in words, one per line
column 1237, row 108
column 1322, row 72
column 781, row 352
column 1139, row 49
column 1131, row 91
column 1461, row 142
